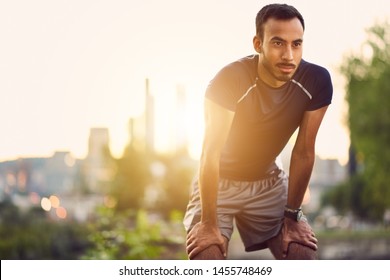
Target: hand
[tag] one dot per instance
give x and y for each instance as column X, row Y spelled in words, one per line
column 299, row 232
column 201, row 237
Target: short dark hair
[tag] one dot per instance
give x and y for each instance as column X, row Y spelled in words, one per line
column 276, row 11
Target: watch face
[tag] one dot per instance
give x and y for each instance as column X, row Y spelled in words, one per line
column 295, row 215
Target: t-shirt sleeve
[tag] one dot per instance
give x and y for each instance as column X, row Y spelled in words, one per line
column 222, row 88
column 323, row 90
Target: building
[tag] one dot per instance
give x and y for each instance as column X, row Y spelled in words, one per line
column 96, row 168
column 44, row 176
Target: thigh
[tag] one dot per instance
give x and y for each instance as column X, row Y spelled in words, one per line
column 227, row 207
column 262, row 215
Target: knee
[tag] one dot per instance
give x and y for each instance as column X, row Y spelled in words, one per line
column 298, row 251
column 211, row 253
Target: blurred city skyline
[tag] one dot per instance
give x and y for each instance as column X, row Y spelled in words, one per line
column 71, row 66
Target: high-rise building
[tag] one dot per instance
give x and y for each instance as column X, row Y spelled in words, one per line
column 142, row 128
column 98, row 144
column 181, row 119
column 149, row 118
column 96, row 165
column 60, row 173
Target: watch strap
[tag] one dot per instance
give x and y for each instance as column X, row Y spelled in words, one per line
column 294, row 214
column 292, row 210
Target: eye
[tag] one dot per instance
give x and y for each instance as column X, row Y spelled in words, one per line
column 278, row 43
column 297, row 44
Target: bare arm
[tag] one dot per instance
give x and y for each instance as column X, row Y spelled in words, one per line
column 303, row 155
column 217, row 126
column 302, row 161
column 218, row 122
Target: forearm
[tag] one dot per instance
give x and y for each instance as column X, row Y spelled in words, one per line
column 206, row 233
column 302, row 158
column 218, row 123
column 208, row 186
column 301, row 167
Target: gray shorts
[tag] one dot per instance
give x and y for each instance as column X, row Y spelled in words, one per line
column 256, row 207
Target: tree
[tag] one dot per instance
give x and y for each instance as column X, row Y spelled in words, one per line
column 31, row 235
column 368, row 96
column 131, row 179
column 176, row 184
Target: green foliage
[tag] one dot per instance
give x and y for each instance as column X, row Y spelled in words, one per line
column 353, row 235
column 132, row 236
column 347, row 197
column 175, row 184
column 26, row 236
column 112, row 236
column 368, row 96
column 167, row 177
column 131, row 179
column 127, row 231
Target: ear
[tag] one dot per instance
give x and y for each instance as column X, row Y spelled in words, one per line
column 257, row 44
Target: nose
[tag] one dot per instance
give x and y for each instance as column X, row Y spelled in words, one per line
column 288, row 53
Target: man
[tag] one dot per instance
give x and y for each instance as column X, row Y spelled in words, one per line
column 252, row 108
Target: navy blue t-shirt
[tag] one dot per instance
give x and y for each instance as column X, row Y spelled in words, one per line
column 265, row 117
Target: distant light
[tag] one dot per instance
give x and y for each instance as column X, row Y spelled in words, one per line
column 11, row 180
column 34, row 197
column 61, row 212
column 45, row 204
column 22, row 180
column 55, row 201
column 109, row 201
column 158, row 169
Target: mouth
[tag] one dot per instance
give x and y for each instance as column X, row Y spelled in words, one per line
column 286, row 68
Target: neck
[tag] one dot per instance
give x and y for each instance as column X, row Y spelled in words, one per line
column 266, row 77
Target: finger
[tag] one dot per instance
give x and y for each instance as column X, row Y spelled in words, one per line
column 190, row 247
column 309, row 241
column 285, row 248
column 223, row 250
column 189, row 239
column 311, row 245
column 312, row 237
column 193, row 253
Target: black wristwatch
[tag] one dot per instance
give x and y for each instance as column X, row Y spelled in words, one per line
column 293, row 214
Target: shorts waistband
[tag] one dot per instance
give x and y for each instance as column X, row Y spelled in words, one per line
column 269, row 175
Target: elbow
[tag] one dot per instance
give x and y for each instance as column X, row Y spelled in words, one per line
column 208, row 160
column 210, row 152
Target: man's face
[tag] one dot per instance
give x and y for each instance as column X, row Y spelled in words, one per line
column 280, row 50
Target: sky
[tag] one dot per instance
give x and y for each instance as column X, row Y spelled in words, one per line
column 67, row 66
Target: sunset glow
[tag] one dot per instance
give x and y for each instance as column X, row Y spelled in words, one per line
column 68, row 66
